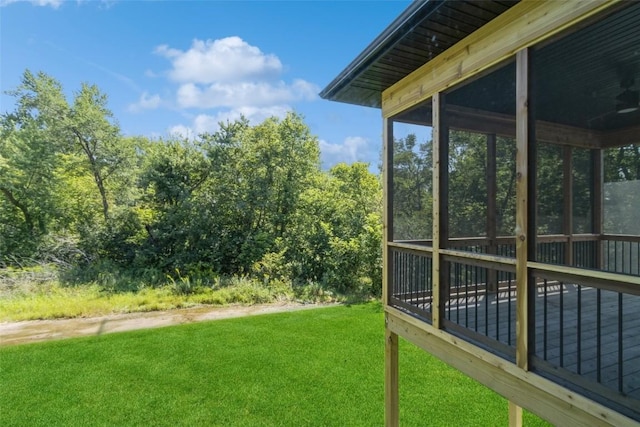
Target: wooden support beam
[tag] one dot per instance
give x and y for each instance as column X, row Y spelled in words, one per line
column 525, row 214
column 440, row 208
column 543, row 397
column 391, row 391
column 391, row 376
column 620, row 137
column 522, row 208
column 387, row 207
column 523, row 25
column 515, row 415
column 567, row 193
column 557, row 133
column 489, row 122
column 597, row 189
column 492, row 209
column 474, row 120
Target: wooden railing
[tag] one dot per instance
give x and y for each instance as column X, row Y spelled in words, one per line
column 614, row 253
column 587, row 304
column 412, row 286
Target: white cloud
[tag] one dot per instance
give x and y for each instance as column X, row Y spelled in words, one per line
column 53, row 3
column 347, row 151
column 230, row 59
column 224, row 79
column 209, row 123
column 240, row 94
column 146, row 102
column 352, row 149
column 181, row 131
column 230, row 73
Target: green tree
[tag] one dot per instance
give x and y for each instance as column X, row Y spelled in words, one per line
column 226, row 199
column 336, row 234
column 29, row 156
column 412, row 188
column 52, row 154
column 262, row 171
column 86, row 127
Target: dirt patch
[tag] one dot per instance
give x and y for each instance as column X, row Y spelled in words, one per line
column 44, row 330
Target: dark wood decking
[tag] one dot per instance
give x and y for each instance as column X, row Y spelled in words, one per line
column 566, row 334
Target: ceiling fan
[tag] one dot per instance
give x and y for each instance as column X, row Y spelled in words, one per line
column 628, row 100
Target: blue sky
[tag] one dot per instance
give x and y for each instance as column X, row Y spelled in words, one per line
column 182, row 66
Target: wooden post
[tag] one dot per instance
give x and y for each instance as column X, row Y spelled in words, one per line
column 523, row 177
column 598, row 204
column 440, row 209
column 387, row 208
column 391, row 395
column 522, row 208
column 567, row 193
column 515, row 415
column 492, row 214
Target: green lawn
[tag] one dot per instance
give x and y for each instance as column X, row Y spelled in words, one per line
column 315, row 367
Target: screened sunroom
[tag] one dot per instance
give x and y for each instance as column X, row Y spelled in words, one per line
column 512, row 198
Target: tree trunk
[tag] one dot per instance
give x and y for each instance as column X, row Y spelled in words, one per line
column 28, row 220
column 95, row 170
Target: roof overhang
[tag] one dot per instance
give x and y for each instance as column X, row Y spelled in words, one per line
column 423, row 31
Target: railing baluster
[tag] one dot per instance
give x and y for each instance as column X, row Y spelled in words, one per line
column 509, row 313
column 498, row 313
column 468, row 275
column 486, row 310
column 401, row 276
column 579, row 331
column 620, row 345
column 561, row 320
column 405, row 285
column 598, row 335
column 544, row 324
column 477, row 302
column 423, row 282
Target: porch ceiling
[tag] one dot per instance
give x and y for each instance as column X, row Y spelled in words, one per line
column 577, row 78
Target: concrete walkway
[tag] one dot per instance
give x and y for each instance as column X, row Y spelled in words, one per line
column 43, row 330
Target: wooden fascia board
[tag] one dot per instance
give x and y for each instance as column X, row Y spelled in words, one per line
column 539, row 395
column 523, row 25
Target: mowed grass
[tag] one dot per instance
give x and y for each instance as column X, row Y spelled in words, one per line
column 320, row 367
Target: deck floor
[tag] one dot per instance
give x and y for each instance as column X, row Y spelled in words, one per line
column 566, row 330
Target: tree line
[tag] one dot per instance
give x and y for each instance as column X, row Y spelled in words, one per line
column 244, row 200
